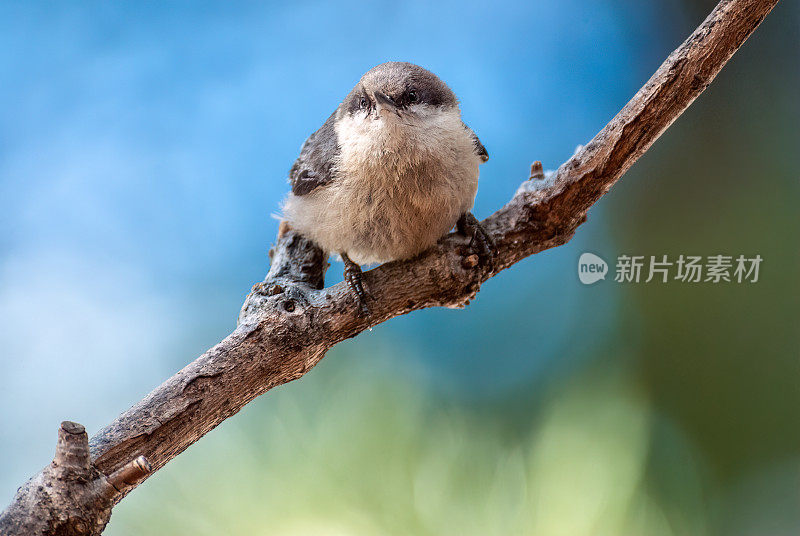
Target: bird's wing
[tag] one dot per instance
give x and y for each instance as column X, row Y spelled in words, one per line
column 480, row 150
column 314, row 167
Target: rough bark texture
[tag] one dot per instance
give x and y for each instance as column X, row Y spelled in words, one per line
column 289, row 321
column 70, row 496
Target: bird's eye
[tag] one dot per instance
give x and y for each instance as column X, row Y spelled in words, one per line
column 364, row 102
column 412, row 96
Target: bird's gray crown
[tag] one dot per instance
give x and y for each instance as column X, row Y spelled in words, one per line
column 405, row 84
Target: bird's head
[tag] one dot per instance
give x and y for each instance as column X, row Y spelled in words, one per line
column 399, row 93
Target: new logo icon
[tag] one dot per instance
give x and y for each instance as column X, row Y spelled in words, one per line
column 591, row 268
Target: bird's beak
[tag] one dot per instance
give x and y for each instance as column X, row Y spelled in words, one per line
column 384, row 102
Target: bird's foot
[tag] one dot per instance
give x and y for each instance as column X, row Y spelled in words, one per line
column 480, row 241
column 354, row 276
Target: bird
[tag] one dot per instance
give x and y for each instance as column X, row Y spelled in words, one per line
column 391, row 171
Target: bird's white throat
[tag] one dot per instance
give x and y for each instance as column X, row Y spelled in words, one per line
column 396, row 142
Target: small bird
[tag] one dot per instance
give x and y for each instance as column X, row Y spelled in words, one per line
column 391, row 171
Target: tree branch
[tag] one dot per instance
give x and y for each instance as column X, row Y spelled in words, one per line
column 289, row 321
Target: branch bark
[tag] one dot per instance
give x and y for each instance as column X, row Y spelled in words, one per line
column 289, row 321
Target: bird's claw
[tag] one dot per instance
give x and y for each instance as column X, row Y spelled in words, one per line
column 480, row 242
column 353, row 276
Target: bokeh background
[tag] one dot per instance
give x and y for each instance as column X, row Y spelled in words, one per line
column 144, row 147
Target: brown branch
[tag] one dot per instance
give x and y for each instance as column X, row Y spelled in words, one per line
column 289, row 321
column 69, row 496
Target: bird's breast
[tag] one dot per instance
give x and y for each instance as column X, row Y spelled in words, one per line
column 397, row 189
column 391, row 149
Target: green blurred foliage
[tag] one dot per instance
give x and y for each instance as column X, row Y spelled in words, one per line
column 723, row 359
column 342, row 453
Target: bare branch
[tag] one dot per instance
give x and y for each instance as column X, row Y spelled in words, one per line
column 72, row 451
column 289, row 321
column 69, row 497
column 130, row 474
